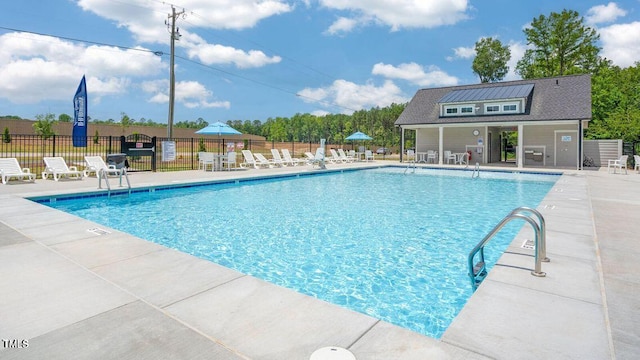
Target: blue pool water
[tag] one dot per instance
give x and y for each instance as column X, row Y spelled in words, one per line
column 386, row 244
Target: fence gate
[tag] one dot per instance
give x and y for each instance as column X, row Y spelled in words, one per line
column 140, row 150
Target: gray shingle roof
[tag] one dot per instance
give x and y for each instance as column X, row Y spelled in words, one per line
column 557, row 98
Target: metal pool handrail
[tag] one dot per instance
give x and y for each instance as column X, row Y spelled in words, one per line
column 478, row 272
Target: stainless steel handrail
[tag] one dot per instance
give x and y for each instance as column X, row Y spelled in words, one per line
column 543, row 230
column 102, row 174
column 478, row 272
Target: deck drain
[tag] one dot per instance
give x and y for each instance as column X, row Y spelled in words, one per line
column 98, row 231
column 528, row 244
column 549, row 207
column 332, row 353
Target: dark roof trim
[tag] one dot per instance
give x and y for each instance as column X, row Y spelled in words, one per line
column 488, row 93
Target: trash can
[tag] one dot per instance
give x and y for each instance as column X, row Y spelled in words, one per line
column 118, row 160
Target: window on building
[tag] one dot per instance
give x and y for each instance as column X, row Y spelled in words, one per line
column 452, row 110
column 510, row 108
column 492, row 108
column 466, row 110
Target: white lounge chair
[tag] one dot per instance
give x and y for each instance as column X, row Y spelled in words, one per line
column 335, row 158
column 95, row 164
column 636, row 167
column 287, row 159
column 249, row 160
column 345, row 157
column 618, row 164
column 10, row 168
column 263, row 161
column 276, row 159
column 318, row 158
column 57, row 168
column 229, row 160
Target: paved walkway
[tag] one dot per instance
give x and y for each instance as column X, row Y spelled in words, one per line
column 70, row 293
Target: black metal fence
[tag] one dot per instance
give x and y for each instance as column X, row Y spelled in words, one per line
column 143, row 153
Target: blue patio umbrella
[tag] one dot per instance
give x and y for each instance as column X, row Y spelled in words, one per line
column 358, row 136
column 218, row 128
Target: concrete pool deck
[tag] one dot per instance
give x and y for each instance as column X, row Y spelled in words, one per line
column 74, row 292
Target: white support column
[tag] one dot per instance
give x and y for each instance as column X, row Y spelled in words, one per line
column 440, row 144
column 401, row 144
column 520, row 153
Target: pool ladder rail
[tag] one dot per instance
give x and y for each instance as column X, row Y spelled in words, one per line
column 476, row 171
column 102, row 174
column 478, row 272
column 411, row 163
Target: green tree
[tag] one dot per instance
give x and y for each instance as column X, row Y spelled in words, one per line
column 64, row 118
column 44, row 125
column 125, row 122
column 6, row 137
column 490, row 63
column 615, row 103
column 561, row 45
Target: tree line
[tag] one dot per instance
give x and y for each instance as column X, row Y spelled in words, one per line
column 559, row 44
column 562, row 44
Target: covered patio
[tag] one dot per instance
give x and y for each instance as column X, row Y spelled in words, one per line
column 472, row 123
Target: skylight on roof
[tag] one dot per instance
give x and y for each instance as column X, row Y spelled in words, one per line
column 488, row 93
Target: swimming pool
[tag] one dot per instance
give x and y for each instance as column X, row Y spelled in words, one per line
column 377, row 241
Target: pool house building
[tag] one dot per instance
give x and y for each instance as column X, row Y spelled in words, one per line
column 474, row 122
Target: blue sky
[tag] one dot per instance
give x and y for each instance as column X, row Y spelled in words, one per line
column 255, row 59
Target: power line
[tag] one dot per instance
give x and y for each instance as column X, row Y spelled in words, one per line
column 159, row 53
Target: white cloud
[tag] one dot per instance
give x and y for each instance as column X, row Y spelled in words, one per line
column 399, row 14
column 218, row 54
column 351, row 97
column 342, row 25
column 36, row 68
column 191, row 94
column 415, row 74
column 462, row 52
column 517, row 52
column 621, row 43
column 604, row 13
column 145, row 20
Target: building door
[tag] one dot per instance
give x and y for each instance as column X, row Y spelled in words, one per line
column 566, row 154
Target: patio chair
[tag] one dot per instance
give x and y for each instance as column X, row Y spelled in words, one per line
column 10, row 168
column 206, row 159
column 618, row 164
column 95, row 164
column 291, row 160
column 345, row 157
column 368, row 155
column 432, row 156
column 229, row 160
column 263, row 161
column 57, row 168
column 448, row 155
column 636, row 159
column 276, row 159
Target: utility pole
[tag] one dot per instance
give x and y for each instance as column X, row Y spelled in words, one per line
column 175, row 35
